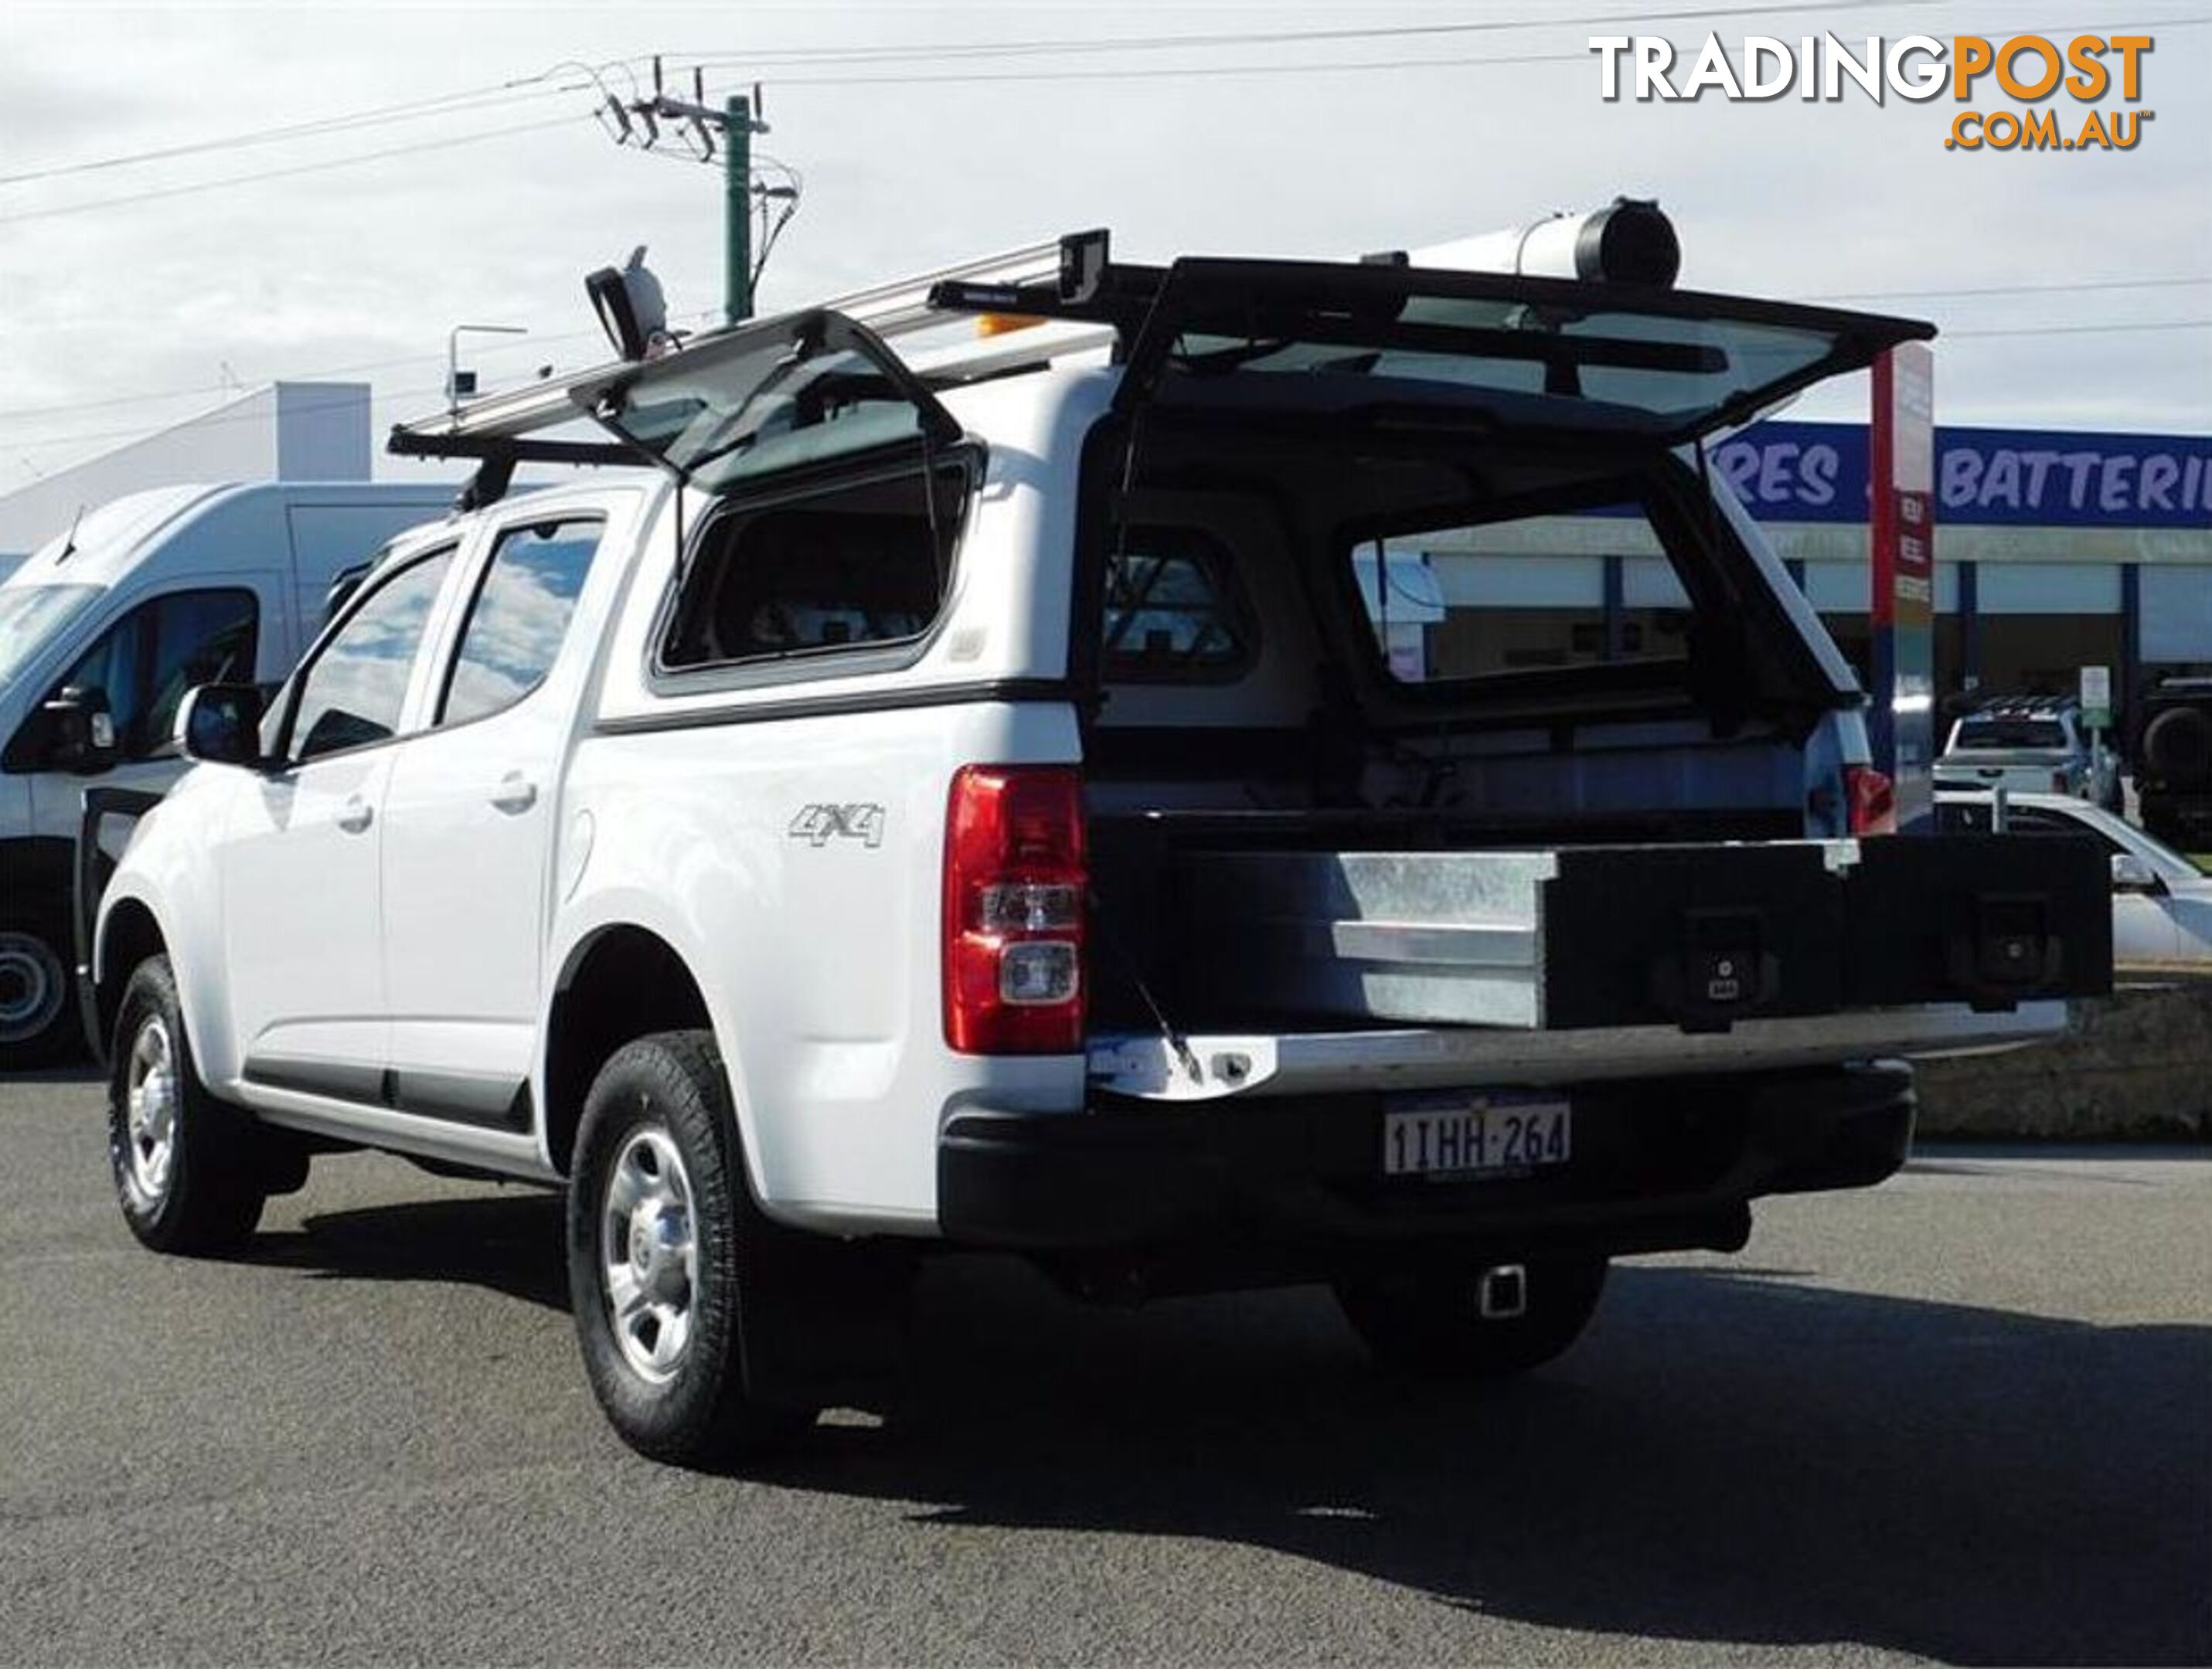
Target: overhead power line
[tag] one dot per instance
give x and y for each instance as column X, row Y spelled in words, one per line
column 1209, row 71
column 522, row 88
column 515, row 90
column 2082, row 330
column 187, row 189
column 1088, row 45
column 2063, row 288
column 1158, row 72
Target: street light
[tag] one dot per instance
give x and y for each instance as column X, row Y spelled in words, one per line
column 456, row 389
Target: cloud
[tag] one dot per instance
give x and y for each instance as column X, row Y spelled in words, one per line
column 300, row 275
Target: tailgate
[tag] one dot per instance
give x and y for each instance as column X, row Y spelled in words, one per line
column 1698, row 938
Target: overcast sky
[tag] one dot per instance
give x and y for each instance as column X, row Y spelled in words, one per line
column 911, row 161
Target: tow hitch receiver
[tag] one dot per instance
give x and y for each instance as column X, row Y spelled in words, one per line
column 1501, row 1293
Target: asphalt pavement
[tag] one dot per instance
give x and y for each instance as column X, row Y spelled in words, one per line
column 1967, row 1416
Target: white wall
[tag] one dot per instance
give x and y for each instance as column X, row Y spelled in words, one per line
column 286, row 431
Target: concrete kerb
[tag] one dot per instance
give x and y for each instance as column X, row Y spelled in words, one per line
column 2137, row 1065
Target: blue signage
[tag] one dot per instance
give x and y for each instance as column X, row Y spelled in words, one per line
column 1817, row 472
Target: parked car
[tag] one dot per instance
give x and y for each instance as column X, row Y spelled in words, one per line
column 2173, row 761
column 101, row 632
column 966, row 804
column 2029, row 744
column 2161, row 902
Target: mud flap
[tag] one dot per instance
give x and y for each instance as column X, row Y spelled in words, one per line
column 90, row 872
column 822, row 1321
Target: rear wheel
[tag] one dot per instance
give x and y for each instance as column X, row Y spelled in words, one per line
column 661, row 1231
column 191, row 1171
column 1434, row 1325
column 36, row 1023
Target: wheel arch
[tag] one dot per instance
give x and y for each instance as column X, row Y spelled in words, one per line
column 129, row 932
column 619, row 980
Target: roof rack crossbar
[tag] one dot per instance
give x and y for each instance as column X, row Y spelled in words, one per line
column 406, row 442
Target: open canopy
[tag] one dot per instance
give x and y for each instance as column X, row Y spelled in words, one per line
column 1667, row 365
column 1362, row 342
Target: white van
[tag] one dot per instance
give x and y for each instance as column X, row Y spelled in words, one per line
column 142, row 599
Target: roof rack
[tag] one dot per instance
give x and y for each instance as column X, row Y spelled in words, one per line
column 1062, row 278
column 2024, row 706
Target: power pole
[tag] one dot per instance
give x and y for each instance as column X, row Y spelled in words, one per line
column 737, row 211
column 735, row 124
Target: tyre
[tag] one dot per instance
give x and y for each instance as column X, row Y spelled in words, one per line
column 1431, row 1324
column 38, row 1018
column 2178, row 745
column 190, row 1170
column 662, row 1230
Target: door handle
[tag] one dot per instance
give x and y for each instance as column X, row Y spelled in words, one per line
column 354, row 814
column 515, row 793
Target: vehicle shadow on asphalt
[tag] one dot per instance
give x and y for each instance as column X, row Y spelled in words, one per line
column 1723, row 1458
column 1730, row 1455
column 510, row 1243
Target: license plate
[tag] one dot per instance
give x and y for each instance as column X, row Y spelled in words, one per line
column 1475, row 1132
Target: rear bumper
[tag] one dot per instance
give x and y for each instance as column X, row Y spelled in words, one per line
column 1659, row 1164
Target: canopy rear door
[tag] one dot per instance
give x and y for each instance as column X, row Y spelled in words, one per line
column 1665, row 366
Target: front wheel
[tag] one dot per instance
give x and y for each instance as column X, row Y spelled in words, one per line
column 1433, row 1324
column 37, row 1024
column 189, row 1171
column 661, row 1225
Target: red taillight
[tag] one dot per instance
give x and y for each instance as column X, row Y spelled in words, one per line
column 1014, row 886
column 1872, row 800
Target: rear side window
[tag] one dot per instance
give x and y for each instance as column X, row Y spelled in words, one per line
column 1173, row 613
column 354, row 692
column 519, row 616
column 851, row 568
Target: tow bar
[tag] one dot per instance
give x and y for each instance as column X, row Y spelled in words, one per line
column 1501, row 1293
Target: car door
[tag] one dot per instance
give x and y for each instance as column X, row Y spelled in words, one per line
column 468, row 829
column 140, row 666
column 302, row 887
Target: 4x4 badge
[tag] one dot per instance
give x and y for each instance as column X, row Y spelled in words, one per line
column 818, row 825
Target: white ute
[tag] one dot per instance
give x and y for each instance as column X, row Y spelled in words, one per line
column 979, row 799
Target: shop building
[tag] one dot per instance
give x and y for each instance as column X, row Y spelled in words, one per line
column 2054, row 551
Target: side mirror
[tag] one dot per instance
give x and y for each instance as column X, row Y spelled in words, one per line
column 80, row 731
column 2133, row 874
column 220, row 725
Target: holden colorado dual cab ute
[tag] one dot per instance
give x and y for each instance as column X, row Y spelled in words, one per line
column 986, row 796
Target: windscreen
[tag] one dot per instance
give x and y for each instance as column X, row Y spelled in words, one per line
column 29, row 617
column 1993, row 735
